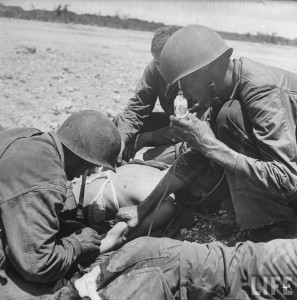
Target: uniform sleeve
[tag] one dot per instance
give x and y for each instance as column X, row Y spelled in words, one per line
column 31, row 226
column 273, row 121
column 140, row 106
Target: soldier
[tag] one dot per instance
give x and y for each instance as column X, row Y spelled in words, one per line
column 35, row 250
column 251, row 130
column 162, row 268
column 138, row 120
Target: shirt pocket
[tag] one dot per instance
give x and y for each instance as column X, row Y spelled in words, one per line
column 138, row 250
column 142, row 284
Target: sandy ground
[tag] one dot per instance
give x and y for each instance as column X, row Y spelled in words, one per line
column 49, row 71
column 74, row 67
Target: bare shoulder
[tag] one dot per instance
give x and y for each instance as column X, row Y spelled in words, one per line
column 138, row 171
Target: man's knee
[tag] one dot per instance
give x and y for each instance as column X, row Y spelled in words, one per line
column 155, row 121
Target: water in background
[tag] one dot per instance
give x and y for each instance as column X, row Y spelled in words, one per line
column 242, row 16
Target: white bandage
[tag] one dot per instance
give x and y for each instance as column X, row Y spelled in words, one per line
column 86, row 285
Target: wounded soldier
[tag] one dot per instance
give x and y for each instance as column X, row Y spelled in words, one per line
column 106, row 192
column 162, row 268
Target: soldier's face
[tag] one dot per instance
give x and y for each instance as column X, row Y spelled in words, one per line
column 156, row 56
column 195, row 87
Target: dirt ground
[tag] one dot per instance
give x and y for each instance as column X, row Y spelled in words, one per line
column 49, row 71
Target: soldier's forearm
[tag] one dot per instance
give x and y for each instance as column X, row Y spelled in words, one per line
column 221, row 154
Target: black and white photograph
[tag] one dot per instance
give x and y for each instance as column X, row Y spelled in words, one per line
column 148, row 149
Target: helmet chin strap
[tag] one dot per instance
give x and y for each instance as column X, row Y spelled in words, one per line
column 80, row 205
column 215, row 101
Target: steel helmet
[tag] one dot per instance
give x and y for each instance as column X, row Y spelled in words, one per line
column 190, row 49
column 92, row 136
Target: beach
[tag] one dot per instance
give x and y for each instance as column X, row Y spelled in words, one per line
column 52, row 70
column 240, row 16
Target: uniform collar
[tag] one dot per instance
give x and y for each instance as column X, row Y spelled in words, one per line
column 59, row 147
column 236, row 76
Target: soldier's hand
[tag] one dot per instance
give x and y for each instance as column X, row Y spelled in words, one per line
column 89, row 240
column 195, row 132
column 120, row 156
column 128, row 152
column 143, row 139
column 130, row 215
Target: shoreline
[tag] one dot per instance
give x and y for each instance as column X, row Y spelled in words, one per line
column 62, row 15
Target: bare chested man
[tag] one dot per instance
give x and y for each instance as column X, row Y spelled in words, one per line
column 106, row 192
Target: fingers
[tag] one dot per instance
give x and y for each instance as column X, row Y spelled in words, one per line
column 179, row 131
column 185, row 122
column 126, row 233
column 97, row 239
column 133, row 150
column 119, row 159
column 135, row 146
column 121, row 216
column 120, row 228
column 88, row 233
column 164, row 166
column 193, row 117
column 128, row 152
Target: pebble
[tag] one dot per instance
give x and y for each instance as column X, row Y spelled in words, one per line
column 184, row 231
column 62, row 106
column 110, row 114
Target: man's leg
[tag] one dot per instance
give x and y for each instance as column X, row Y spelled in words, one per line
column 155, row 121
column 158, row 220
column 145, row 268
column 246, row 271
column 165, row 153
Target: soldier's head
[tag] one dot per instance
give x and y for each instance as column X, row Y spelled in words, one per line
column 160, row 38
column 89, row 140
column 198, row 58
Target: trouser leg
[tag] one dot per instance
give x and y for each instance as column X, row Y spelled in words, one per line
column 155, row 121
column 245, row 271
column 165, row 153
column 145, row 268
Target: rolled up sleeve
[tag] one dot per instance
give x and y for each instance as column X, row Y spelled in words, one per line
column 31, row 225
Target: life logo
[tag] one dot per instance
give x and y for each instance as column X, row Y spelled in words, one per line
column 262, row 285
